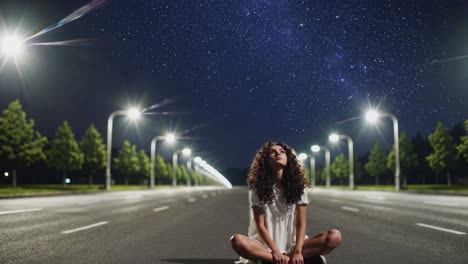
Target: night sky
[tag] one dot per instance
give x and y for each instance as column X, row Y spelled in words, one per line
column 238, row 73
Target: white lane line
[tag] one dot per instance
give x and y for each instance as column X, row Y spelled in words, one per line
column 191, row 200
column 441, row 203
column 162, row 208
column 347, row 208
column 131, row 197
column 167, row 200
column 441, row 229
column 375, row 197
column 85, row 227
column 204, row 196
column 21, row 211
column 375, row 207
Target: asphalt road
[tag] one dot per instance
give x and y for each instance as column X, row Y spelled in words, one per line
column 194, row 225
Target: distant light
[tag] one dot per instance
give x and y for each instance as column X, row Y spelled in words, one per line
column 372, row 116
column 197, row 159
column 333, row 137
column 315, row 148
column 186, row 152
column 67, row 180
column 134, row 113
column 6, row 174
column 302, row 156
column 12, row 46
column 170, row 138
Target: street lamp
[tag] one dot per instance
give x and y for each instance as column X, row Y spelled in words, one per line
column 334, row 138
column 12, row 46
column 132, row 113
column 312, row 171
column 169, row 138
column 372, row 116
column 185, row 152
column 317, row 148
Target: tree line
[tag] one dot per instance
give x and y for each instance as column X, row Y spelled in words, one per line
column 22, row 146
column 443, row 154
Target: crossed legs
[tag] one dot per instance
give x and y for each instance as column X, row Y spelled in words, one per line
column 320, row 244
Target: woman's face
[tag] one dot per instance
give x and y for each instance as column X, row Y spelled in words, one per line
column 277, row 156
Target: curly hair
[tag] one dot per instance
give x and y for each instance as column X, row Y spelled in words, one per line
column 261, row 175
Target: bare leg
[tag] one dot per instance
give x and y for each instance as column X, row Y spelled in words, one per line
column 322, row 243
column 249, row 248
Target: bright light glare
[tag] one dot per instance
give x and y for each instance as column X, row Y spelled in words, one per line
column 67, row 181
column 134, row 113
column 372, row 116
column 6, row 174
column 186, row 152
column 12, row 46
column 170, row 138
column 197, row 159
column 302, row 156
column 315, row 148
column 333, row 137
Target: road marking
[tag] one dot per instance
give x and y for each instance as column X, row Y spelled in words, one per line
column 21, row 211
column 441, row 203
column 204, row 196
column 191, row 200
column 167, row 200
column 375, row 197
column 85, row 227
column 441, row 229
column 347, row 208
column 131, row 197
column 162, row 208
column 383, row 208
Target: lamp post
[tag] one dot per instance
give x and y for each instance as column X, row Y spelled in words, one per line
column 334, row 138
column 189, row 167
column 170, row 138
column 132, row 113
column 317, row 148
column 185, row 152
column 372, row 116
column 312, row 171
column 197, row 160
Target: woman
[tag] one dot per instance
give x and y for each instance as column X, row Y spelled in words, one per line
column 278, row 199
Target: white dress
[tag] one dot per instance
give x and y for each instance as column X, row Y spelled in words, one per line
column 280, row 220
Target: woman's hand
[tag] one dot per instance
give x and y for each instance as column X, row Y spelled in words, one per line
column 297, row 258
column 279, row 258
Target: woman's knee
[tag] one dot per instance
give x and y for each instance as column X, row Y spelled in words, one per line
column 333, row 238
column 237, row 241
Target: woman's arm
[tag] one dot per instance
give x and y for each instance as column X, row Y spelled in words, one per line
column 259, row 217
column 300, row 227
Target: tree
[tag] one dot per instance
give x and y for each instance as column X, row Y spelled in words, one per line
column 408, row 158
column 94, row 152
column 64, row 154
column 161, row 171
column 144, row 164
column 423, row 148
column 357, row 170
column 340, row 168
column 462, row 148
column 126, row 162
column 181, row 178
column 20, row 144
column 443, row 156
column 375, row 167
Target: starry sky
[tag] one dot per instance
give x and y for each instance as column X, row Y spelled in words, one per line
column 234, row 74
